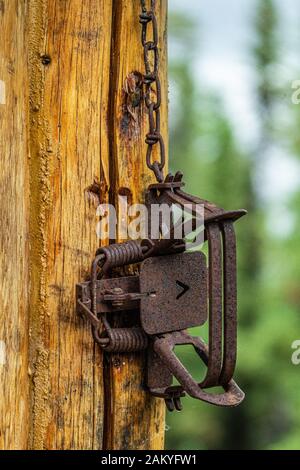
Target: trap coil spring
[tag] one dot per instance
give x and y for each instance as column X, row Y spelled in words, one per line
column 121, row 254
column 121, row 340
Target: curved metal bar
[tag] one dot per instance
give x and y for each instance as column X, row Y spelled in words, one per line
column 230, row 302
column 94, row 275
column 215, row 306
column 211, row 211
column 164, row 348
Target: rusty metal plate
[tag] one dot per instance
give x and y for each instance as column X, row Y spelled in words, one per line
column 177, row 292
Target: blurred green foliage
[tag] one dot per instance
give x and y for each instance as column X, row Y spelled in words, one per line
column 203, row 144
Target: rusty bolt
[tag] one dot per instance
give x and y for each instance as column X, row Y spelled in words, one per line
column 117, row 291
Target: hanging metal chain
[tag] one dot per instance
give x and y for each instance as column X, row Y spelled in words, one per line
column 152, row 89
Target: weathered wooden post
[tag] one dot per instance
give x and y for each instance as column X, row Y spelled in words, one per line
column 64, row 124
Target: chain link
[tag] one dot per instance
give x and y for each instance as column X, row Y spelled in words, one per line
column 152, row 89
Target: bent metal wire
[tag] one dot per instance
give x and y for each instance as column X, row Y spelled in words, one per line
column 174, row 290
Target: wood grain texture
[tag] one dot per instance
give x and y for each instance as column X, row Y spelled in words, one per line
column 134, row 420
column 69, row 57
column 14, row 227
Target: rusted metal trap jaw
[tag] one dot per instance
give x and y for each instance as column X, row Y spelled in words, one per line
column 175, row 290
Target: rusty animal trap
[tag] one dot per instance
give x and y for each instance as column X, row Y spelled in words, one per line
column 174, row 290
